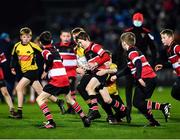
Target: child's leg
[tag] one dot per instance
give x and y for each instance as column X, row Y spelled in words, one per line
column 72, row 81
column 7, row 97
column 140, row 103
column 78, row 109
column 38, row 88
column 149, row 89
column 32, row 95
column 41, row 100
column 20, row 94
column 116, row 105
column 90, row 88
column 82, row 90
column 74, row 105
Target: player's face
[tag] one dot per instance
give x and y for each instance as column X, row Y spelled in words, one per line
column 166, row 40
column 25, row 38
column 123, row 45
column 65, row 37
column 82, row 43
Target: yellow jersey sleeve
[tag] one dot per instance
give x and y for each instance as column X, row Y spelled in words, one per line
column 14, row 48
column 80, row 52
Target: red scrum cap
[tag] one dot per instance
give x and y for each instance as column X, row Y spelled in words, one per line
column 138, row 16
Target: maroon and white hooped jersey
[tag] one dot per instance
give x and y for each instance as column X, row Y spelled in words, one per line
column 94, row 54
column 173, row 57
column 66, row 51
column 56, row 73
column 133, row 55
column 2, row 60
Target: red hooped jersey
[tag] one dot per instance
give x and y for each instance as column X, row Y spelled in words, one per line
column 56, row 72
column 66, row 52
column 94, row 53
column 174, row 56
column 2, row 60
column 133, row 55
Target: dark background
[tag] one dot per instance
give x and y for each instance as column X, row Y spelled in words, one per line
column 104, row 20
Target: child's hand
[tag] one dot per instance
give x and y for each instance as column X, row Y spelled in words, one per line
column 113, row 78
column 141, row 81
column 93, row 65
column 80, row 70
column 44, row 75
column 13, row 71
column 101, row 72
column 158, row 67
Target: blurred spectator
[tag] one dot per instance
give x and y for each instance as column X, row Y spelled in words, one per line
column 6, row 46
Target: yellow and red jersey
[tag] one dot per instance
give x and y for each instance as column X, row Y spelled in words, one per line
column 112, row 86
column 26, row 55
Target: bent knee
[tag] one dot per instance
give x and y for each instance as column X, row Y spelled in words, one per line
column 19, row 88
column 107, row 100
column 5, row 94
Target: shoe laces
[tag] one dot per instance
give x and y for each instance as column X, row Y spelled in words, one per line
column 48, row 125
column 166, row 110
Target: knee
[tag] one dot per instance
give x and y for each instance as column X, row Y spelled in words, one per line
column 89, row 89
column 19, row 88
column 69, row 99
column 107, row 99
column 5, row 93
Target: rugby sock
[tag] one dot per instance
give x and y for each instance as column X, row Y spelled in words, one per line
column 78, row 109
column 147, row 113
column 107, row 108
column 46, row 112
column 12, row 110
column 117, row 105
column 154, row 105
column 94, row 105
column 117, row 97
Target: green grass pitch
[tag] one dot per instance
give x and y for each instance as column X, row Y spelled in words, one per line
column 71, row 127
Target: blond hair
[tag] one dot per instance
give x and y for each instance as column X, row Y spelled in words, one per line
column 25, row 30
column 129, row 38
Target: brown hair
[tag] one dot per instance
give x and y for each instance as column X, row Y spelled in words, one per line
column 129, row 38
column 82, row 35
column 76, row 30
column 168, row 32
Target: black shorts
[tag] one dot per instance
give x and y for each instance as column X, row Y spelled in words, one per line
column 149, row 89
column 56, row 90
column 102, row 80
column 72, row 81
column 32, row 75
column 2, row 83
